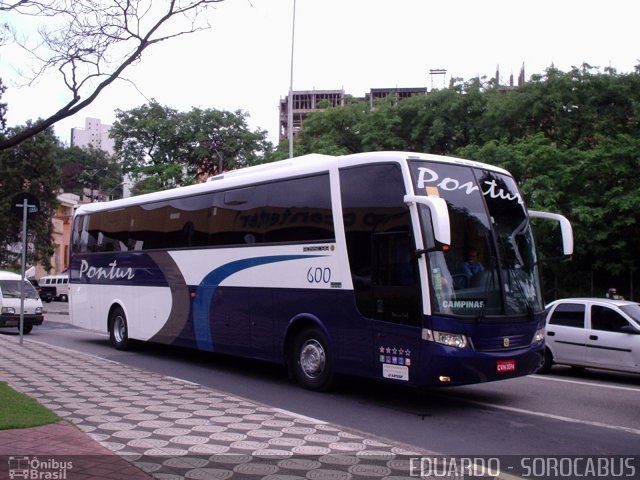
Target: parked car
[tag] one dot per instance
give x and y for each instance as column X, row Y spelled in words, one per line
column 593, row 333
column 45, row 296
column 55, row 287
column 10, row 300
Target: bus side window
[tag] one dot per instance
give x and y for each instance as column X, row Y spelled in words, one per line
column 395, row 264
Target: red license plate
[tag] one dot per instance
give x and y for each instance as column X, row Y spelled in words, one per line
column 503, row 366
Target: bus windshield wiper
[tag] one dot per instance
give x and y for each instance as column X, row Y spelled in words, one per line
column 488, row 284
column 513, row 272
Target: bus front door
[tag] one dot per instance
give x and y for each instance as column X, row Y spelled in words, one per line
column 397, row 307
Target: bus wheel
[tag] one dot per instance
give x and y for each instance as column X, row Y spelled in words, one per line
column 312, row 360
column 118, row 335
column 547, row 361
column 26, row 329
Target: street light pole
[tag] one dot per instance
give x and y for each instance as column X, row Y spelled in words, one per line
column 290, row 99
column 92, row 177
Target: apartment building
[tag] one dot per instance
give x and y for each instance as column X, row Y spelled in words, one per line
column 94, row 134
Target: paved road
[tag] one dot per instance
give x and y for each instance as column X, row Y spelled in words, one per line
column 533, row 415
column 175, row 429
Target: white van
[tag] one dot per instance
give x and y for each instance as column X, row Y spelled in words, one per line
column 54, row 287
column 10, row 302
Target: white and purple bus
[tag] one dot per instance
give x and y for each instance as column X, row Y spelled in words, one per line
column 348, row 265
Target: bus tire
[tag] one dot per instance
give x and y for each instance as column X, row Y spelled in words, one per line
column 547, row 361
column 312, row 360
column 118, row 330
column 26, row 329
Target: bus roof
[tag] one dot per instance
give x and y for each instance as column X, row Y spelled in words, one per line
column 297, row 166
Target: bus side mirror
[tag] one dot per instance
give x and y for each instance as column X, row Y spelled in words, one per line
column 565, row 229
column 439, row 216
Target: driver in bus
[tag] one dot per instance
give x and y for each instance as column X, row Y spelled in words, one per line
column 471, row 266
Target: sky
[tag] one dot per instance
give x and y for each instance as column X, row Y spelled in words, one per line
column 244, row 61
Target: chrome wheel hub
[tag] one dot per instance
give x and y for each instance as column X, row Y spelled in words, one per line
column 312, row 358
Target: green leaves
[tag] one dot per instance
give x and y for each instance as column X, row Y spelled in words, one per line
column 162, row 148
column 571, row 140
column 29, row 167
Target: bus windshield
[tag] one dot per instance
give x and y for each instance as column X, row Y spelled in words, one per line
column 489, row 269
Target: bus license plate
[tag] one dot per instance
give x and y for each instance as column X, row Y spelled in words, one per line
column 503, row 366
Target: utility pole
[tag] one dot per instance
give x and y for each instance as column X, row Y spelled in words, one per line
column 290, row 99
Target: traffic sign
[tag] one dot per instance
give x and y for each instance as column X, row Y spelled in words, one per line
column 17, row 204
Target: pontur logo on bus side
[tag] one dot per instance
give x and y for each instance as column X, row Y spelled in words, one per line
column 113, row 273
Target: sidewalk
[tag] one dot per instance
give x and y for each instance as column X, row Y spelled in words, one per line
column 121, row 422
column 64, row 442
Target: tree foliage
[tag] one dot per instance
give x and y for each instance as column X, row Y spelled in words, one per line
column 90, row 169
column 161, row 148
column 571, row 140
column 90, row 43
column 29, row 167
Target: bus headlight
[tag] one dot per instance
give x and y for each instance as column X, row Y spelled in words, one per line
column 538, row 336
column 445, row 338
column 38, row 310
column 9, row 310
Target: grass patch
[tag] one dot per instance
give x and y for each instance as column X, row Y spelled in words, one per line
column 20, row 411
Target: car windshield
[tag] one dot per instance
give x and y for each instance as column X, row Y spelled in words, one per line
column 11, row 289
column 490, row 266
column 633, row 310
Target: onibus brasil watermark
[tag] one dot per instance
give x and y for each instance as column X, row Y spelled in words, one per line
column 547, row 467
column 35, row 468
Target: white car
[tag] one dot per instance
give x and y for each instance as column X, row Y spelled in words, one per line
column 593, row 333
column 11, row 288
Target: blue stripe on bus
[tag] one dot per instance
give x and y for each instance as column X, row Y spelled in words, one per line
column 207, row 289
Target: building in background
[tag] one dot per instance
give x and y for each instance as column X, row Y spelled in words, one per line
column 395, row 94
column 305, row 102
column 61, row 235
column 94, row 134
column 309, row 101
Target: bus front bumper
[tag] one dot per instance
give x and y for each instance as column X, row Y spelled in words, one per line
column 448, row 366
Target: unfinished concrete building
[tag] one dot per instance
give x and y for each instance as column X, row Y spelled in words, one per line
column 305, row 102
column 308, row 101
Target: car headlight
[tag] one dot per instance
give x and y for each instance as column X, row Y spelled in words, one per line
column 9, row 310
column 538, row 336
column 445, row 338
column 38, row 310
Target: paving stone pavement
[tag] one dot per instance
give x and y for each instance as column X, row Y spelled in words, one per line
column 174, row 429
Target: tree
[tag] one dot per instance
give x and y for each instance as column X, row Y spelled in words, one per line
column 90, row 43
column 29, row 167
column 88, row 168
column 336, row 131
column 161, row 148
column 570, row 140
column 148, row 146
column 218, row 140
